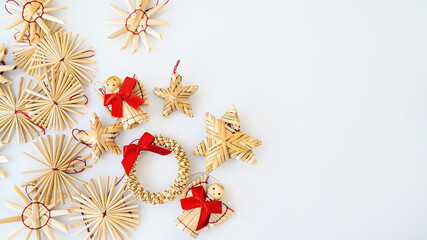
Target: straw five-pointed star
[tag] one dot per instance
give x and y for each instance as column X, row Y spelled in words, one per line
column 3, row 159
column 225, row 140
column 137, row 23
column 36, row 216
column 100, row 138
column 4, row 67
column 176, row 96
column 32, row 13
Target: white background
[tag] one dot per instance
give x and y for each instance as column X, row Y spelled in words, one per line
column 335, row 89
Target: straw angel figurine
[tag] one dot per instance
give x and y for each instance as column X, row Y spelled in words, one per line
column 125, row 100
column 202, row 209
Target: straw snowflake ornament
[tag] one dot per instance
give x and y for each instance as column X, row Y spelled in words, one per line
column 137, row 23
column 105, row 210
column 4, row 67
column 61, row 52
column 31, row 14
column 14, row 113
column 59, row 97
column 60, row 162
column 35, row 217
column 225, row 140
column 100, row 138
column 3, row 159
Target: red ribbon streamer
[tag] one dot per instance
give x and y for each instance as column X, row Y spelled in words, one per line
column 131, row 151
column 125, row 94
column 198, row 200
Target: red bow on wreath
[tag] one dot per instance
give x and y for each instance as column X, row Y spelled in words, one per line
column 131, row 151
column 125, row 94
column 198, row 200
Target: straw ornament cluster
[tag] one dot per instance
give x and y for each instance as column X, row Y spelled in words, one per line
column 60, row 161
column 4, row 67
column 3, row 159
column 100, row 138
column 35, row 217
column 31, row 14
column 137, row 23
column 105, row 210
column 225, row 140
column 179, row 183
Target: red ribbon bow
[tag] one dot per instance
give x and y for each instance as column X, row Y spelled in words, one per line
column 131, row 151
column 198, row 200
column 125, row 94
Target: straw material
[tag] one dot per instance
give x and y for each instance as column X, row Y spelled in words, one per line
column 32, row 14
column 179, row 183
column 100, row 138
column 14, row 113
column 59, row 97
column 3, row 159
column 225, row 140
column 176, row 96
column 137, row 23
column 60, row 163
column 61, row 52
column 105, row 211
column 4, row 67
column 35, row 217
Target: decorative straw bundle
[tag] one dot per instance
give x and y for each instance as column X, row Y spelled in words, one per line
column 105, row 211
column 60, row 161
column 60, row 94
column 60, row 52
column 3, row 159
column 4, row 67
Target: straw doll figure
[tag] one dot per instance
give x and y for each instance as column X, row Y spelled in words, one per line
column 125, row 99
column 202, row 209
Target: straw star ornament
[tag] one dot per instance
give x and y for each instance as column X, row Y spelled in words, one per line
column 137, row 23
column 31, row 14
column 100, row 138
column 3, row 159
column 4, row 67
column 225, row 140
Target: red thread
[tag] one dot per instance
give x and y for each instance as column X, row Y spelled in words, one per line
column 5, row 6
column 29, row 119
column 87, row 52
column 2, row 62
column 238, row 130
column 61, row 60
column 176, row 66
column 86, row 223
column 157, row 3
column 87, row 99
column 54, row 102
column 26, row 191
column 85, row 143
column 104, row 214
column 23, row 213
column 130, row 15
column 120, row 180
column 75, row 171
column 31, row 2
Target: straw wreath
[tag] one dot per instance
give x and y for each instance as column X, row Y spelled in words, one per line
column 225, row 140
column 3, row 159
column 59, row 97
column 35, row 217
column 14, row 113
column 4, row 67
column 136, row 23
column 61, row 52
column 31, row 14
column 60, row 162
column 100, row 138
column 179, row 183
column 105, row 211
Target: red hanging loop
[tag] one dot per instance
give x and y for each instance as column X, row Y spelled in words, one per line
column 32, row 228
column 5, row 6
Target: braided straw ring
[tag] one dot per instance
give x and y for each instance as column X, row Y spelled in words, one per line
column 179, row 183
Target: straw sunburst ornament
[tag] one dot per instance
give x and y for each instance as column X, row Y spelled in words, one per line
column 31, row 14
column 137, row 23
column 60, row 163
column 4, row 67
column 3, row 159
column 106, row 211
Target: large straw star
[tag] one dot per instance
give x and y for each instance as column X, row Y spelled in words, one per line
column 225, row 140
column 100, row 138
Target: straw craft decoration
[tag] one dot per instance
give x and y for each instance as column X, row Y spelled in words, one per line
column 3, row 159
column 14, row 113
column 137, row 23
column 36, row 217
column 161, row 145
column 31, row 14
column 61, row 52
column 176, row 96
column 202, row 208
column 225, row 140
column 105, row 211
column 125, row 100
column 4, row 67
column 100, row 138
column 60, row 95
column 60, row 162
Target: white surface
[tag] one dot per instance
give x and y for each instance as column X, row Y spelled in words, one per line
column 336, row 90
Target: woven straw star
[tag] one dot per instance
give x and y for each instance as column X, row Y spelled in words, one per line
column 176, row 96
column 100, row 138
column 3, row 159
column 4, row 67
column 60, row 163
column 137, row 23
column 31, row 14
column 105, row 211
column 225, row 140
column 35, row 217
